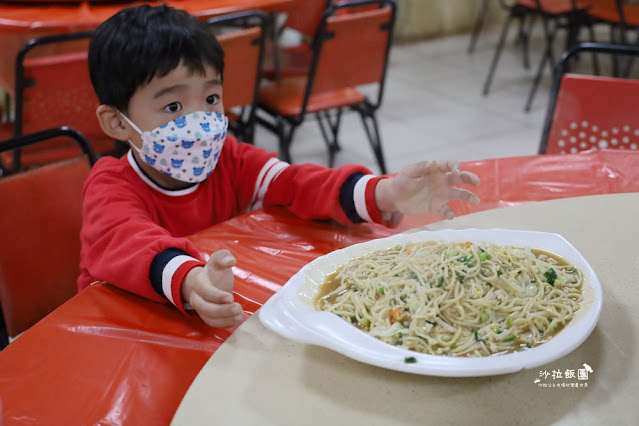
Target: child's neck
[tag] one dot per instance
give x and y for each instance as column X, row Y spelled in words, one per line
column 158, row 177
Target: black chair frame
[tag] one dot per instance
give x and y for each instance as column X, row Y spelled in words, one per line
column 22, row 141
column 563, row 67
column 329, row 123
column 244, row 127
column 23, row 83
column 573, row 21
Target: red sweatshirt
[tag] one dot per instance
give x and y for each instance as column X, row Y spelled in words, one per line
column 133, row 231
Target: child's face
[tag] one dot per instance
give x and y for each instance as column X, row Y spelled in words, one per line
column 177, row 94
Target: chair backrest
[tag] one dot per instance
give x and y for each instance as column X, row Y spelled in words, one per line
column 352, row 49
column 591, row 112
column 243, row 54
column 40, row 228
column 305, row 16
column 52, row 90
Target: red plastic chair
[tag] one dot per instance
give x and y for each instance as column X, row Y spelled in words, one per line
column 621, row 15
column 591, row 112
column 295, row 60
column 243, row 53
column 52, row 91
column 40, row 228
column 349, row 50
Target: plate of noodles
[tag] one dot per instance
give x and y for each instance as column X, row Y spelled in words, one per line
column 457, row 303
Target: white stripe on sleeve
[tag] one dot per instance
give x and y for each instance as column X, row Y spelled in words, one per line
column 274, row 169
column 169, row 270
column 359, row 197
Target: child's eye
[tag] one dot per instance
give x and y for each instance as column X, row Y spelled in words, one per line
column 213, row 99
column 173, row 107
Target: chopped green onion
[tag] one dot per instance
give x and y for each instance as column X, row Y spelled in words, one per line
column 499, row 273
column 551, row 276
column 410, row 360
column 484, row 317
column 393, row 265
column 469, row 265
column 381, row 290
column 398, row 247
column 477, row 339
column 441, row 282
column 484, row 256
column 510, row 338
column 432, row 322
column 499, row 331
column 399, row 342
column 533, row 281
column 413, row 275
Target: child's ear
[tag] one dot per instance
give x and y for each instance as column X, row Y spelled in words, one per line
column 112, row 123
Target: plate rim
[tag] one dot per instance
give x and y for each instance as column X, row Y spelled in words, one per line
column 281, row 314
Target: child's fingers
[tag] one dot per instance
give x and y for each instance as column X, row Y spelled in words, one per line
column 463, row 178
column 215, row 311
column 222, row 322
column 448, row 166
column 212, row 294
column 460, row 194
column 222, row 259
column 447, row 211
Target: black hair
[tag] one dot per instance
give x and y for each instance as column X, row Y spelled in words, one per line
column 139, row 43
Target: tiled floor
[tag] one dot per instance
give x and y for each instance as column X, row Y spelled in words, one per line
column 433, row 108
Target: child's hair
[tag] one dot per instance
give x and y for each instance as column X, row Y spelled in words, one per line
column 139, row 43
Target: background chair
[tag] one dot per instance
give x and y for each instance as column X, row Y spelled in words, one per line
column 622, row 17
column 40, row 228
column 243, row 54
column 349, row 50
column 294, row 60
column 52, row 91
column 556, row 15
column 591, row 112
column 525, row 19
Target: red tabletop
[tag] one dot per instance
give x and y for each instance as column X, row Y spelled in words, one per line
column 109, row 357
column 21, row 17
column 20, row 22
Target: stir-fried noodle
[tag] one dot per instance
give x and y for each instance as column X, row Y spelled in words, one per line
column 458, row 299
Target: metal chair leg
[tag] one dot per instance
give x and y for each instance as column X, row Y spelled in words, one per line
column 498, row 49
column 547, row 58
column 595, row 60
column 524, row 39
column 285, row 138
column 326, row 124
column 369, row 121
column 479, row 23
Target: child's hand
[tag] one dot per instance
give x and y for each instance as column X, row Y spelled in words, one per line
column 424, row 188
column 209, row 290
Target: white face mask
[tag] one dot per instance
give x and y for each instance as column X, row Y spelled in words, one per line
column 187, row 148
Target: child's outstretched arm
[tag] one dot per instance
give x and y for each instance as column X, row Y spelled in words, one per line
column 425, row 188
column 209, row 291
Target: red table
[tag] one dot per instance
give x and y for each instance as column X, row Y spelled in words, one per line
column 20, row 22
column 110, row 357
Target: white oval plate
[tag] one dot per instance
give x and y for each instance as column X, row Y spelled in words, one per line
column 291, row 314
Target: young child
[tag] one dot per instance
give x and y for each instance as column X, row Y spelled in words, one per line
column 158, row 75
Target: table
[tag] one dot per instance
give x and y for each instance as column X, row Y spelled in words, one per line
column 20, row 22
column 109, row 357
column 258, row 377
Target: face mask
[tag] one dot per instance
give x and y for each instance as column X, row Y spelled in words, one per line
column 187, row 148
